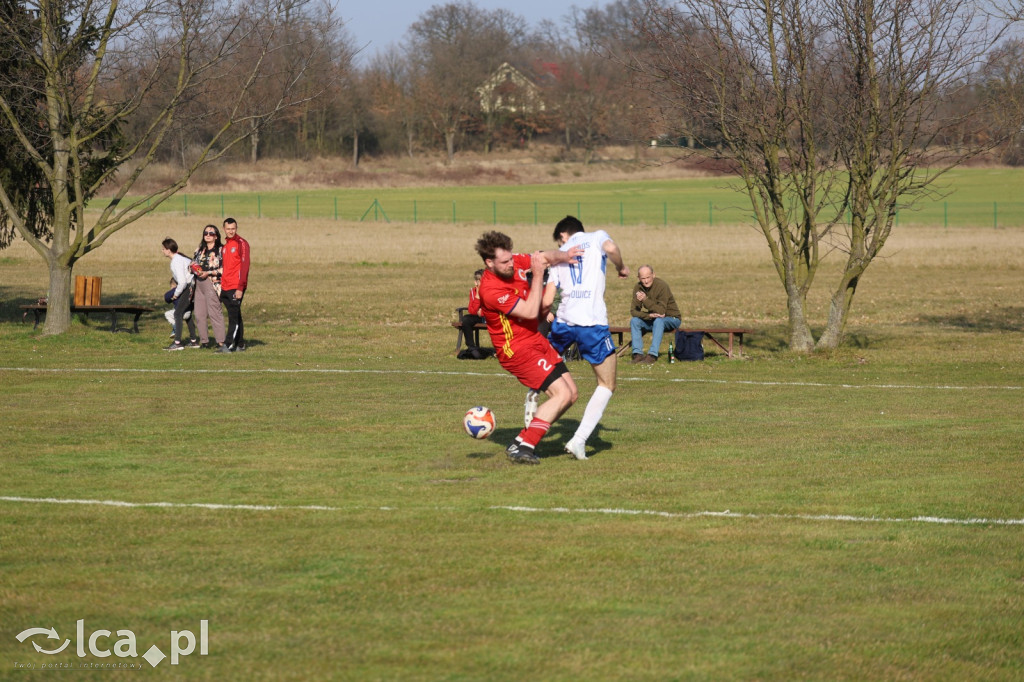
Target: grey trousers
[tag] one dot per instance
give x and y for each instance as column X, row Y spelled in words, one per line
column 207, row 309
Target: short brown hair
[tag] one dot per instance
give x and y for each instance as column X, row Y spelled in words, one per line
column 490, row 242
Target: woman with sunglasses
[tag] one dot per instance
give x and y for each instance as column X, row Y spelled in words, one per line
column 206, row 264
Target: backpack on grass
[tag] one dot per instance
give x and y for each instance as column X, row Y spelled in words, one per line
column 689, row 346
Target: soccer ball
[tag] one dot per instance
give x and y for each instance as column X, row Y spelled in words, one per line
column 479, row 422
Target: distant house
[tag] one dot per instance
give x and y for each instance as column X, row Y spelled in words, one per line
column 509, row 90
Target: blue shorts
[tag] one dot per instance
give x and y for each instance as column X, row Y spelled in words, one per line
column 595, row 343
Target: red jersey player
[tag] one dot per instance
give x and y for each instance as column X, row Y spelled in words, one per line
column 511, row 308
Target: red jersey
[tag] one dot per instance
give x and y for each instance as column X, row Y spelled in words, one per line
column 498, row 297
column 235, row 261
column 474, row 302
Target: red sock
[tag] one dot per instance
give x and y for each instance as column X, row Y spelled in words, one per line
column 532, row 435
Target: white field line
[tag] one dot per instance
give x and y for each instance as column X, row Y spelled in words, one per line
column 727, row 514
column 167, row 505
column 503, row 375
column 794, row 517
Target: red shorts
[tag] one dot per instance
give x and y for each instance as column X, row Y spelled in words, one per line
column 533, row 359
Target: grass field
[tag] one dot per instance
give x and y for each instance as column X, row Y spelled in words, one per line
column 985, row 197
column 853, row 516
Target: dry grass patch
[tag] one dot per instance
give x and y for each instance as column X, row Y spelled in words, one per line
column 541, row 164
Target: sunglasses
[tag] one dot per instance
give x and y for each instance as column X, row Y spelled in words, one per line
column 209, row 234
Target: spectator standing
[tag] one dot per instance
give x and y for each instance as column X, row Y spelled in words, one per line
column 169, row 314
column 582, row 316
column 233, row 281
column 511, row 308
column 652, row 309
column 206, row 260
column 181, row 297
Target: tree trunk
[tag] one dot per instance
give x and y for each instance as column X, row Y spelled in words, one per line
column 449, row 141
column 58, row 299
column 838, row 312
column 801, row 340
column 254, row 144
column 355, row 148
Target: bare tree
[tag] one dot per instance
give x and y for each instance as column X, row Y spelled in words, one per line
column 328, row 91
column 587, row 99
column 95, row 65
column 390, row 89
column 830, row 112
column 354, row 108
column 1002, row 80
column 590, row 93
column 277, row 36
column 454, row 48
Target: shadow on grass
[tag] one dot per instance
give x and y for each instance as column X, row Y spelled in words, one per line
column 563, row 430
column 551, row 446
column 12, row 298
column 776, row 340
column 997, row 320
column 771, row 340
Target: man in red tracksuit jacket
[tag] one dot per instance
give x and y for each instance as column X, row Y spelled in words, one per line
column 235, row 263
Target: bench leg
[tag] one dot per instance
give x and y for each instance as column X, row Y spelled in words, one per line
column 38, row 314
column 113, row 320
column 621, row 348
column 135, row 325
column 728, row 351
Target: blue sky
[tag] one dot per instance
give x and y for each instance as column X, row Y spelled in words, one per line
column 383, row 22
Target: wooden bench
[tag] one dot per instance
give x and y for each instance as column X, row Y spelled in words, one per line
column 480, row 326
column 736, row 334
column 732, row 350
column 39, row 310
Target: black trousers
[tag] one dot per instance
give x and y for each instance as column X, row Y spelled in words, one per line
column 235, row 336
column 468, row 322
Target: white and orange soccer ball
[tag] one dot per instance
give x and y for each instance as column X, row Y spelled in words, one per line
column 479, row 422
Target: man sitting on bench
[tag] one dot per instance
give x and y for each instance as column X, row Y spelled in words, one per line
column 469, row 320
column 652, row 309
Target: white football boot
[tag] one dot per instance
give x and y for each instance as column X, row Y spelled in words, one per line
column 576, row 448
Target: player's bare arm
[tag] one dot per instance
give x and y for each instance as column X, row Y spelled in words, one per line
column 615, row 256
column 557, row 256
column 549, row 297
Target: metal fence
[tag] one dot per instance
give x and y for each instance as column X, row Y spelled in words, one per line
column 628, row 212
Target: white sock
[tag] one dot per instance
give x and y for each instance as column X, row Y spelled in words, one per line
column 592, row 415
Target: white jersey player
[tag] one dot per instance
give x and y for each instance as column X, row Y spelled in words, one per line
column 582, row 316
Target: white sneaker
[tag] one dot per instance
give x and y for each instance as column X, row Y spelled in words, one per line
column 576, row 449
column 529, row 407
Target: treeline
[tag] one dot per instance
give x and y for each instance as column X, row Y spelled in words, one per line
column 469, row 78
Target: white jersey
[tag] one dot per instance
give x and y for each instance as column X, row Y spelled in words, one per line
column 582, row 284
